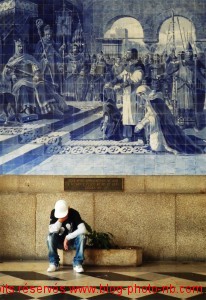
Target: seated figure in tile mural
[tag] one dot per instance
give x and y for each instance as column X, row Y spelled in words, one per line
column 33, row 95
column 165, row 135
column 66, row 231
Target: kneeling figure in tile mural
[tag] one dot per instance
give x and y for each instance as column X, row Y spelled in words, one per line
column 66, row 231
column 164, row 134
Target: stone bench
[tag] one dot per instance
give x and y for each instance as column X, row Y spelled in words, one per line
column 130, row 257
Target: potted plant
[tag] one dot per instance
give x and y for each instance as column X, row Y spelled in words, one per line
column 99, row 240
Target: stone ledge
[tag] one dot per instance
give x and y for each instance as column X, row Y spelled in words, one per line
column 101, row 257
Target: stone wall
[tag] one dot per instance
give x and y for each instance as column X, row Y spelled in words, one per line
column 163, row 214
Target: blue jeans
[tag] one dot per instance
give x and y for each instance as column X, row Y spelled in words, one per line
column 55, row 241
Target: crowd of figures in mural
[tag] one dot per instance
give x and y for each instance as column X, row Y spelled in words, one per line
column 149, row 97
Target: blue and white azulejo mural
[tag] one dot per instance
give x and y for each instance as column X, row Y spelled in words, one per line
column 91, row 87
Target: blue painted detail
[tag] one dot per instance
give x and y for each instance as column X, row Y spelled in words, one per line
column 66, row 103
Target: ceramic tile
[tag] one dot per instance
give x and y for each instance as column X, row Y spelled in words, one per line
column 60, row 297
column 189, row 276
column 30, row 275
column 68, row 133
column 100, row 283
column 113, row 276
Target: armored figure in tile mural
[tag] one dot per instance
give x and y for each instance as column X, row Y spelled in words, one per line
column 97, row 73
column 76, row 81
column 189, row 87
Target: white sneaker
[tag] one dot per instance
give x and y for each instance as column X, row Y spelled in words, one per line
column 52, row 268
column 78, row 269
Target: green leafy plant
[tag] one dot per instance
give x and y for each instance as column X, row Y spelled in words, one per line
column 99, row 240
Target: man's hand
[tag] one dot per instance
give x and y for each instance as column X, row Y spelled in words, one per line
column 14, row 78
column 107, row 85
column 117, row 87
column 61, row 220
column 82, row 73
column 62, row 48
column 46, row 62
column 9, row 70
column 66, row 244
column 37, row 77
column 61, row 68
column 138, row 128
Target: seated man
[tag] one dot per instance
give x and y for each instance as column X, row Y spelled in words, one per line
column 66, row 231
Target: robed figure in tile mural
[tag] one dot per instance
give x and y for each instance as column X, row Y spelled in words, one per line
column 21, row 69
column 49, row 56
column 189, row 90
column 128, row 80
column 33, row 95
column 165, row 135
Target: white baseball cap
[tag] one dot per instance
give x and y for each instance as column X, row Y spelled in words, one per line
column 61, row 209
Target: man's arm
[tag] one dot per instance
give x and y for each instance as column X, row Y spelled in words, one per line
column 55, row 225
column 118, row 79
column 81, row 229
column 142, row 123
column 137, row 77
column 55, row 228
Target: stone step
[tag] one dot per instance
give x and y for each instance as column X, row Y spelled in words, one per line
column 32, row 145
column 128, row 257
column 12, row 137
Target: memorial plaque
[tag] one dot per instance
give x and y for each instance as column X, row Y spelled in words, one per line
column 94, row 184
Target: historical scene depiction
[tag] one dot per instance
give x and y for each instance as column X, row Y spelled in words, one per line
column 90, row 87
